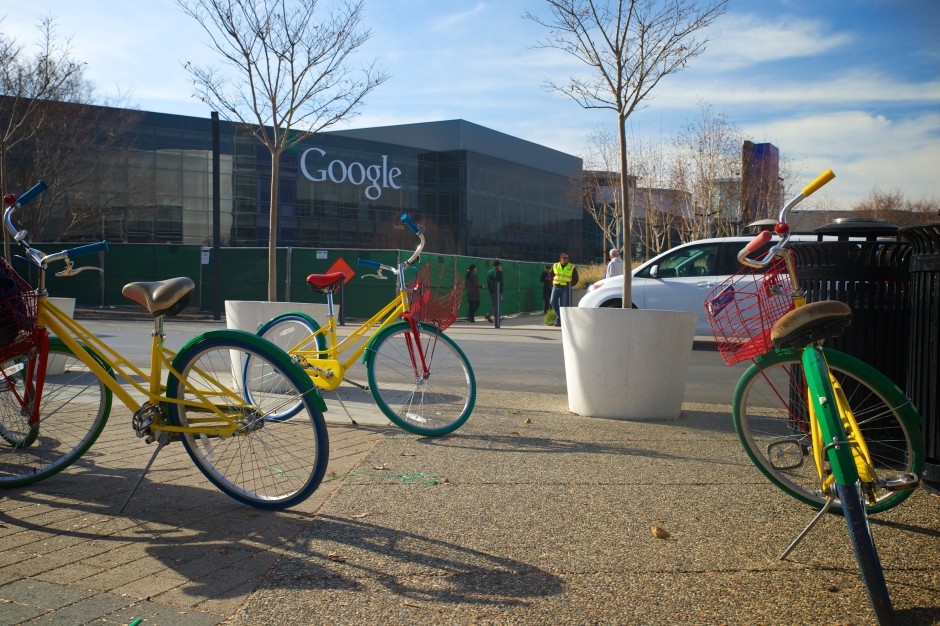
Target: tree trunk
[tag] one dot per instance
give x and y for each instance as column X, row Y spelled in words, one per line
column 272, row 228
column 627, row 300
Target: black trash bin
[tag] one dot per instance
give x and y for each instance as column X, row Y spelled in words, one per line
column 923, row 363
column 867, row 268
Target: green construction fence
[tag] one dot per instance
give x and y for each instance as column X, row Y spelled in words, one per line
column 244, row 274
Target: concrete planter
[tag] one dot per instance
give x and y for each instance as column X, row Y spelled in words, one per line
column 56, row 366
column 626, row 363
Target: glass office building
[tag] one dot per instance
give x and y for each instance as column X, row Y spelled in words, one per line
column 479, row 192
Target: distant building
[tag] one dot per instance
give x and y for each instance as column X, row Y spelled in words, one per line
column 761, row 189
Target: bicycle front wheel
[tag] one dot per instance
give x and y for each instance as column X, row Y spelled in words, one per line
column 286, row 331
column 771, row 419
column 266, row 463
column 73, row 411
column 856, row 518
column 433, row 403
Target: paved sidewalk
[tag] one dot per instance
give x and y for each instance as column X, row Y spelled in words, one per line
column 526, row 515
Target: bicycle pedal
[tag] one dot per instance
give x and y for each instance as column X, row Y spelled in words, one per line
column 901, row 483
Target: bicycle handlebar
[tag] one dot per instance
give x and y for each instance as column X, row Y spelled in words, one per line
column 38, row 257
column 781, row 228
column 414, row 256
column 32, row 192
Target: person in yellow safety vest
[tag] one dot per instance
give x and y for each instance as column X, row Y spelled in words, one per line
column 563, row 275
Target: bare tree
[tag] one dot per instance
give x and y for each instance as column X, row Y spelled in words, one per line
column 710, row 151
column 289, row 74
column 630, row 45
column 77, row 149
column 26, row 82
column 601, row 178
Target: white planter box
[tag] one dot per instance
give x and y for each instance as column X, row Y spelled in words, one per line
column 56, row 366
column 249, row 315
column 626, row 363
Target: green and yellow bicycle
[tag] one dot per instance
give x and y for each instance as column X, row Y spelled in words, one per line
column 57, row 380
column 825, row 427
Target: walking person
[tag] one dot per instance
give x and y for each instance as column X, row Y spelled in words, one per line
column 471, row 287
column 563, row 275
column 615, row 267
column 494, row 281
column 546, row 280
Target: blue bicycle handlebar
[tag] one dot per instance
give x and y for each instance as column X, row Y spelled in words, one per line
column 369, row 263
column 411, row 225
column 92, row 248
column 32, row 192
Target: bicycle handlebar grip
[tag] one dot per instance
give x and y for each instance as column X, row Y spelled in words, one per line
column 411, row 225
column 759, row 241
column 821, row 180
column 73, row 253
column 369, row 263
column 32, row 192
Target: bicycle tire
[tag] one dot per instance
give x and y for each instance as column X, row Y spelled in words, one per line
column 74, row 409
column 15, row 429
column 432, row 406
column 270, row 464
column 770, row 420
column 856, row 519
column 286, row 331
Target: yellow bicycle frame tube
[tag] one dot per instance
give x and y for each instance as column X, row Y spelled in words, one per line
column 327, row 368
column 76, row 337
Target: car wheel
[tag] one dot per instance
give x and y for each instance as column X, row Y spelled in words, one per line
column 615, row 304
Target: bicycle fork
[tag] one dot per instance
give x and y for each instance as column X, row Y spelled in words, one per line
column 832, row 420
column 413, row 341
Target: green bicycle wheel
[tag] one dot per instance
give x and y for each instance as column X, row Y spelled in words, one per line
column 772, row 421
column 267, row 463
column 73, row 411
column 431, row 405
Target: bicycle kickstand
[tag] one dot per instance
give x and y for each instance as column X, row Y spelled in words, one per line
column 829, row 502
column 343, row 404
column 162, row 440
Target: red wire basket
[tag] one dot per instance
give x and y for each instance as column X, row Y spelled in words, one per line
column 436, row 295
column 17, row 313
column 743, row 309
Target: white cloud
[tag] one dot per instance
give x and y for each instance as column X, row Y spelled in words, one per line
column 863, row 149
column 740, row 40
column 447, row 22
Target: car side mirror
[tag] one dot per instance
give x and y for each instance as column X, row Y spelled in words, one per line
column 654, row 271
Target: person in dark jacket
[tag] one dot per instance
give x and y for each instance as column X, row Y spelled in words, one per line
column 471, row 287
column 494, row 282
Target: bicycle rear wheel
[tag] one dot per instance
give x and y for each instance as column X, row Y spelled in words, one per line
column 856, row 518
column 286, row 331
column 269, row 464
column 772, row 421
column 431, row 405
column 73, row 411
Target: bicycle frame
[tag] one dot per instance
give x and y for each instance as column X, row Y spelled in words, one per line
column 76, row 338
column 327, row 367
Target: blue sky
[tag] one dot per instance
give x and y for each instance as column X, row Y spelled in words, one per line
column 849, row 84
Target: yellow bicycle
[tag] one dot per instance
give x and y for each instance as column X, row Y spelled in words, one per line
column 420, row 379
column 56, row 392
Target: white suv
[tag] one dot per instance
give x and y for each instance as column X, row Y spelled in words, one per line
column 678, row 279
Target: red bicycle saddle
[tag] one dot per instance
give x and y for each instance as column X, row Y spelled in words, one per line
column 326, row 283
